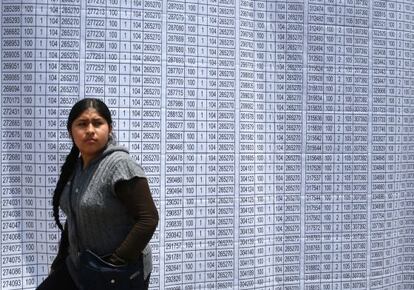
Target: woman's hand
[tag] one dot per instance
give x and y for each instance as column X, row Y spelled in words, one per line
column 115, row 260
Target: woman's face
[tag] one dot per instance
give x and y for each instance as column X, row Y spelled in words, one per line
column 90, row 133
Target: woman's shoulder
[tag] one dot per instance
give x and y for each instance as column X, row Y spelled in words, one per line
column 121, row 154
column 122, row 163
column 120, row 157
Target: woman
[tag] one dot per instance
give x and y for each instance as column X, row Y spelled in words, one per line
column 105, row 197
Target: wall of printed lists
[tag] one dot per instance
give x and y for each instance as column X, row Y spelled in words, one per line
column 278, row 136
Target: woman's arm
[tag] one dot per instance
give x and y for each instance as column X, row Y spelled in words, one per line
column 136, row 196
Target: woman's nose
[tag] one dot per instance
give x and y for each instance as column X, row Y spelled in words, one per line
column 90, row 128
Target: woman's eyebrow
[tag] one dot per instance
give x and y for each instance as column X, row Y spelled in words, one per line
column 87, row 119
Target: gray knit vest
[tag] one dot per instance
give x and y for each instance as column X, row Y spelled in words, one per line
column 102, row 221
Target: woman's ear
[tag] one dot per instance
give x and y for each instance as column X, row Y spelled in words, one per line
column 110, row 136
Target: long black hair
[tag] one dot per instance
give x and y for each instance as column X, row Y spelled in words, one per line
column 67, row 167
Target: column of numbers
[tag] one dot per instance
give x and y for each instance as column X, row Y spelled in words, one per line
column 135, row 84
column 270, row 135
column 246, row 148
column 11, row 178
column 378, row 189
column 359, row 216
column 226, row 82
column 407, row 113
column 328, row 222
column 53, row 79
column 190, row 139
column 293, row 143
column 211, row 156
column 151, row 105
column 28, row 168
column 409, row 102
column 124, row 104
column 314, row 157
column 390, row 155
column 111, row 53
column 344, row 112
column 259, row 137
column 201, row 149
column 94, row 68
column 398, row 203
column 337, row 143
column 40, row 137
column 175, row 230
column 280, row 46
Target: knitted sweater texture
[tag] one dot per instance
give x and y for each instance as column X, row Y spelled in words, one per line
column 96, row 218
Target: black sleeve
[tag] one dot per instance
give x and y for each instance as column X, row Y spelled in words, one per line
column 62, row 251
column 136, row 196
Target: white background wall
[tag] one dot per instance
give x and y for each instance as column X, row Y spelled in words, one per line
column 276, row 135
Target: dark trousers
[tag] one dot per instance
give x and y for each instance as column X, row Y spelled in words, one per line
column 61, row 279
